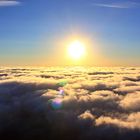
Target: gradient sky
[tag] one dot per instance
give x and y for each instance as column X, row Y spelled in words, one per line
column 32, row 32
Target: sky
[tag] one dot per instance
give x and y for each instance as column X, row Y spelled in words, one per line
column 36, row 32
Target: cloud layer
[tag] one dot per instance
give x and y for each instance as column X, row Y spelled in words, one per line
column 97, row 103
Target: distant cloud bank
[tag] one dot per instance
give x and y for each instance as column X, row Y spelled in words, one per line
column 98, row 103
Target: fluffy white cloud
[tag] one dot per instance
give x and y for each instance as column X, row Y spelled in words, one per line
column 131, row 102
column 132, row 121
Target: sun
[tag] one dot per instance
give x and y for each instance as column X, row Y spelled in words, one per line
column 76, row 50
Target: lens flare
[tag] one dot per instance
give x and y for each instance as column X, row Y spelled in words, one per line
column 62, row 83
column 56, row 103
column 61, row 91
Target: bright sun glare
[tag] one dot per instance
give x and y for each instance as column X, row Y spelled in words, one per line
column 76, row 50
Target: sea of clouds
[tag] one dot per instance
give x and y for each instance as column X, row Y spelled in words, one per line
column 98, row 103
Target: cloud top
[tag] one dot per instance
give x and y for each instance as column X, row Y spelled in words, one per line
column 97, row 103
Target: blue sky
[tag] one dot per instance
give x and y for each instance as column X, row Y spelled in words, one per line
column 26, row 25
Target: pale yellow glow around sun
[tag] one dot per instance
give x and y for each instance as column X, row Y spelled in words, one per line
column 76, row 50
